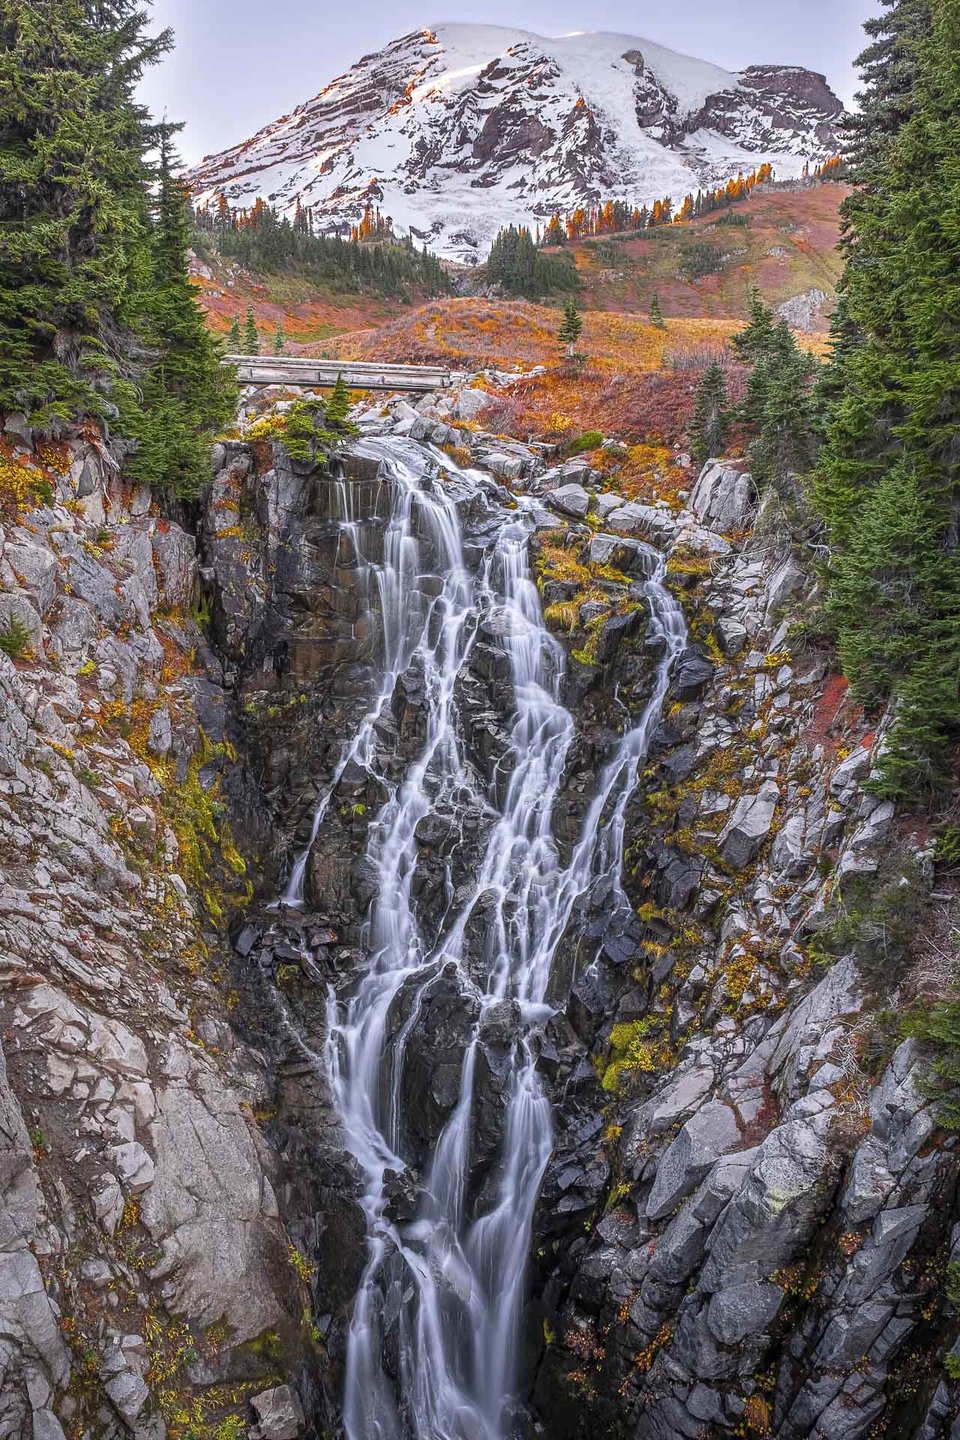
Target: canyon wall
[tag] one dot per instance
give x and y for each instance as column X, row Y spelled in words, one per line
column 747, row 1221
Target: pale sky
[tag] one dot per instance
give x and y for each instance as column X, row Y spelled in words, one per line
column 242, row 63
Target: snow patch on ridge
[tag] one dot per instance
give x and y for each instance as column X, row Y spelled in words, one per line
column 458, row 129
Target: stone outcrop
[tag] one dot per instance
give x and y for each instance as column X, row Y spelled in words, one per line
column 776, row 1180
column 139, row 1226
column 745, row 1225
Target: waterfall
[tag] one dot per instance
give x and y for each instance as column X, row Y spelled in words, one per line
column 452, row 1279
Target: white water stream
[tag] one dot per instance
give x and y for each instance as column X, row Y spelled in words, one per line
column 453, row 1281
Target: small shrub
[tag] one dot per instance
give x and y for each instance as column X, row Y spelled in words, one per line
column 590, row 440
column 15, row 640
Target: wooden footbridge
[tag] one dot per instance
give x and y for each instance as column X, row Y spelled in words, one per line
column 305, row 374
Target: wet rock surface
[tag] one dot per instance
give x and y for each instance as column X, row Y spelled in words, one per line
column 749, row 1205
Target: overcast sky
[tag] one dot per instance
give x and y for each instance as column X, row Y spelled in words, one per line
column 241, row 63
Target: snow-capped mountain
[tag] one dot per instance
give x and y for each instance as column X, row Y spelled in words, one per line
column 458, row 130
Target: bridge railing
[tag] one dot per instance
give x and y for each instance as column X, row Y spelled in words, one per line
column 311, row 374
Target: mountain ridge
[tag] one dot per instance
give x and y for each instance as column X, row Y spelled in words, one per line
column 458, row 129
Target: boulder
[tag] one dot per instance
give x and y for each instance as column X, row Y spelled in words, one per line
column 632, row 557
column 713, row 1131
column 36, row 570
column 749, row 825
column 785, row 581
column 469, row 404
column 724, row 497
column 606, row 504
column 570, row 500
column 848, row 774
column 279, row 1414
column 692, row 674
column 633, row 519
column 731, row 635
column 698, row 540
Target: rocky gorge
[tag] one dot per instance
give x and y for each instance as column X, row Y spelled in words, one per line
column 744, row 1219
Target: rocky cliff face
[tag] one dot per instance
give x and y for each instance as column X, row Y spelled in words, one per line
column 456, row 131
column 746, row 1224
column 146, row 1278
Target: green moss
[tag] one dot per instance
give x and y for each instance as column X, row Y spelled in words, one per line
column 636, row 1047
column 209, row 859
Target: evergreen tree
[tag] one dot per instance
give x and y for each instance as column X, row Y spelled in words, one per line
column 187, row 394
column 234, row 340
column 338, row 405
column 778, row 409
column 888, row 484
column 251, row 337
column 755, row 340
column 280, row 340
column 571, row 327
column 73, row 203
column 711, row 421
column 656, row 314
column 520, row 268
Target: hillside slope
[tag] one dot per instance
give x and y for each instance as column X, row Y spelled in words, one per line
column 783, row 241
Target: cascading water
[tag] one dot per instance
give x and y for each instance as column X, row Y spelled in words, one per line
column 452, row 1279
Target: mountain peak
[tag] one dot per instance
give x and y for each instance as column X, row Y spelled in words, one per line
column 456, row 129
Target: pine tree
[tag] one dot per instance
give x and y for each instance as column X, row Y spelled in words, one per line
column 338, row 405
column 656, row 314
column 711, row 421
column 888, row 484
column 186, row 394
column 234, row 340
column 571, row 327
column 778, row 409
column 280, row 340
column 251, row 337
column 73, row 203
column 754, row 341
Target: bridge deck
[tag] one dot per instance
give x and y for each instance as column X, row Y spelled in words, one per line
column 322, row 374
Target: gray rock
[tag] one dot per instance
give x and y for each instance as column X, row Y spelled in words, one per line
column 470, row 404
column 787, row 580
column 724, row 497
column 713, row 1131
column 692, row 674
column 279, row 1414
column 701, row 541
column 632, row 557
column 743, row 1310
column 804, row 312
column 211, row 1208
column 684, row 1093
column 570, row 500
column 848, row 774
column 36, row 570
column 175, row 553
column 634, row 519
column 26, row 1314
column 749, row 825
column 160, row 738
column 731, row 635
column 17, row 609
column 606, row 504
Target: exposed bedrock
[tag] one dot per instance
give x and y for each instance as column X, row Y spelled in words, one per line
column 746, row 1223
